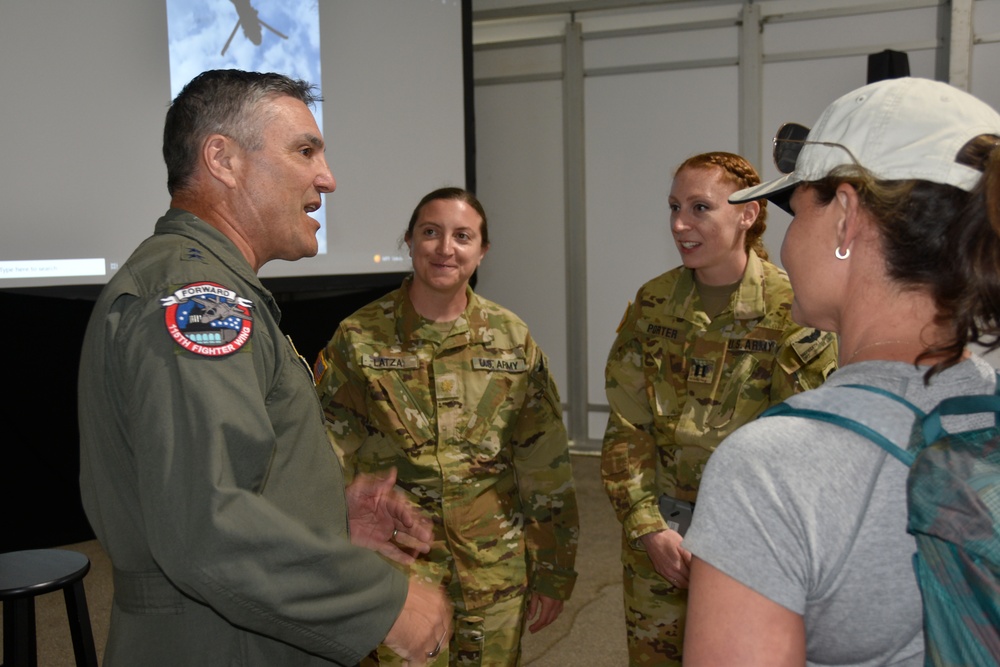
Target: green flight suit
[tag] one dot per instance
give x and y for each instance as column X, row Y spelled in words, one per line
column 470, row 416
column 677, row 384
column 207, row 475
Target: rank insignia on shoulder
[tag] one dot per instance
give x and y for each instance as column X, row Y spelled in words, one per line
column 208, row 319
column 192, row 254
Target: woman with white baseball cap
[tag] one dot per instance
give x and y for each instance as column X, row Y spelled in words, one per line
column 801, row 554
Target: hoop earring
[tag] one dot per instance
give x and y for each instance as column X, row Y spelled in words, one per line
column 845, row 255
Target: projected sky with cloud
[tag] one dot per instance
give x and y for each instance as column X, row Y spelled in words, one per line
column 221, row 34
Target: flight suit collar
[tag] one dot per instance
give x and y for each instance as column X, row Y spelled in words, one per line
column 181, row 223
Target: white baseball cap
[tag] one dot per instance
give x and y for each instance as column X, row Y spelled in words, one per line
column 898, row 129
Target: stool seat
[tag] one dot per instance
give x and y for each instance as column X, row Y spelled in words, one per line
column 40, row 571
column 27, row 574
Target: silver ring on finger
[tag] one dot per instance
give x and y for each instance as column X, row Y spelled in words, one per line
column 437, row 649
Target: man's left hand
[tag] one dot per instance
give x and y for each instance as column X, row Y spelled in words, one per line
column 383, row 519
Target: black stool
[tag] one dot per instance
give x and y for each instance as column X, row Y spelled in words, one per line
column 25, row 574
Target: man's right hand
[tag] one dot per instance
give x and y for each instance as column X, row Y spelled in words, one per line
column 423, row 627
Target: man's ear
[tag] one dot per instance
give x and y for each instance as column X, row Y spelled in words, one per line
column 221, row 157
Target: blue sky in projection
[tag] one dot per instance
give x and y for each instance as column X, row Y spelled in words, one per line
column 199, row 31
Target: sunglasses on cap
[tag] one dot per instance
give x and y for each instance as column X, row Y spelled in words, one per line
column 788, row 143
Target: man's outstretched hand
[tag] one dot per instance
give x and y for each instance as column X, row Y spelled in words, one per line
column 383, row 518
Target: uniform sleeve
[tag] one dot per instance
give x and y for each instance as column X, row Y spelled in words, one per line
column 806, row 358
column 628, row 455
column 545, row 483
column 342, row 392
column 221, row 489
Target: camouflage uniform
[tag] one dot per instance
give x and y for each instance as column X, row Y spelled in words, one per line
column 677, row 384
column 471, row 419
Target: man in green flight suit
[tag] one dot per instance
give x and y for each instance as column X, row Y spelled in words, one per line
column 205, row 469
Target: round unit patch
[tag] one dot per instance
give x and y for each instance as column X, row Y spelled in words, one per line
column 208, row 319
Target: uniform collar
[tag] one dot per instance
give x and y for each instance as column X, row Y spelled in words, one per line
column 182, row 223
column 470, row 326
column 748, row 301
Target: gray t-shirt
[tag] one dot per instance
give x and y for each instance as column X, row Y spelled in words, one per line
column 813, row 517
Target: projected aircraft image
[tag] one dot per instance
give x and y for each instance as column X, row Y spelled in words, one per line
column 250, row 21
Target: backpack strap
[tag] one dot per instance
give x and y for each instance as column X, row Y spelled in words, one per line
column 885, row 422
column 959, row 405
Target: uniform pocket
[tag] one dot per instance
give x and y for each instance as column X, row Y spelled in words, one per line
column 665, row 401
column 615, row 460
column 469, row 640
column 483, row 433
column 744, row 393
column 401, row 413
column 498, row 396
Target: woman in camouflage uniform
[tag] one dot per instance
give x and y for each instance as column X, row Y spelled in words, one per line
column 452, row 392
column 704, row 348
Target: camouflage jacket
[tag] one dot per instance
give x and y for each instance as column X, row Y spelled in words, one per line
column 678, row 383
column 471, row 419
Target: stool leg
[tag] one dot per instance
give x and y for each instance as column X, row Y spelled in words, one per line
column 19, row 649
column 79, row 625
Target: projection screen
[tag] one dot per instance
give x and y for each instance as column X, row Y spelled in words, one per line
column 87, row 85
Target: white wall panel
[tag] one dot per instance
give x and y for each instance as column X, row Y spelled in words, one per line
column 664, row 47
column 520, row 183
column 523, row 61
column 985, row 83
column 865, row 30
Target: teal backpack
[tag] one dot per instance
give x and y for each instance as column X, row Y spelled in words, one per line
column 953, row 502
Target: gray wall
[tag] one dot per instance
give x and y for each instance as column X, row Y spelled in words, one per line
column 660, row 81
